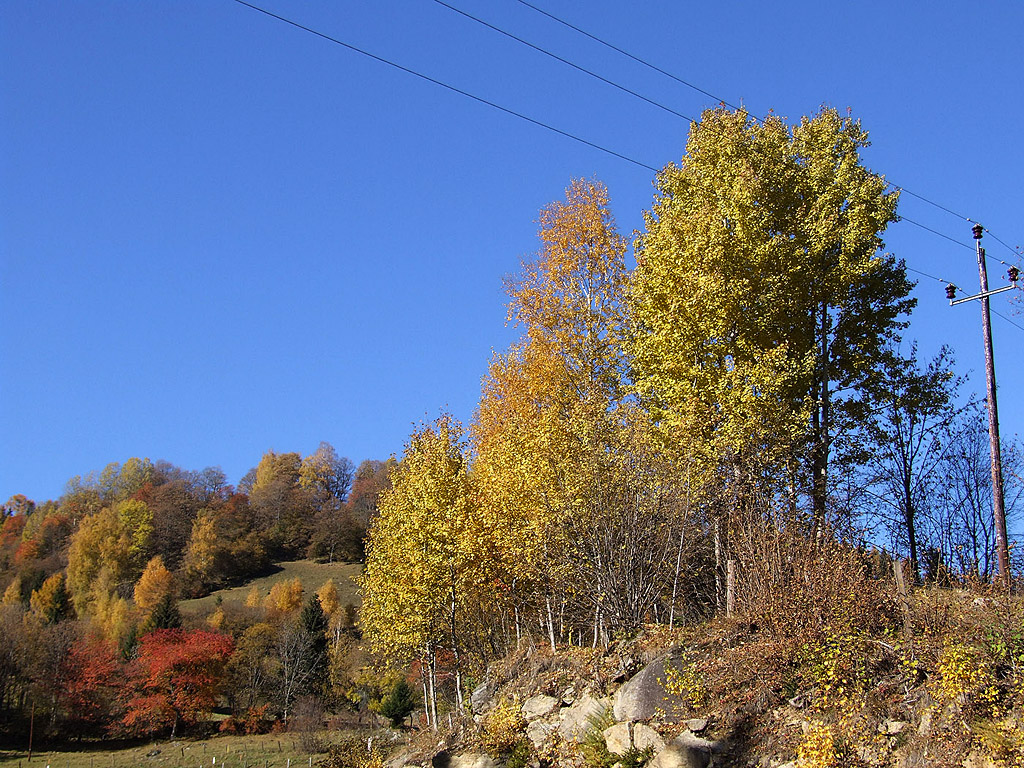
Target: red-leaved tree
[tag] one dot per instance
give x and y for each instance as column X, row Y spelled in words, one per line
column 175, row 679
column 93, row 672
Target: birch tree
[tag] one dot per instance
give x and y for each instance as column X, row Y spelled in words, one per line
column 762, row 300
column 426, row 557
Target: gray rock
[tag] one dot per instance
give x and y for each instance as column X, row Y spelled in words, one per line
column 678, row 754
column 644, row 694
column 924, row 728
column 472, row 760
column 480, row 698
column 569, row 696
column 644, row 736
column 697, row 724
column 892, row 727
column 538, row 732
column 576, row 720
column 979, row 760
column 868, row 755
column 696, row 742
column 617, row 738
column 403, row 758
column 538, row 706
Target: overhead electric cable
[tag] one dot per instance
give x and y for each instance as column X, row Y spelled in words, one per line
column 1000, row 314
column 452, row 88
column 1015, row 251
column 688, row 84
column 552, row 128
column 901, row 217
column 925, row 274
column 940, row 206
column 565, row 61
column 627, row 54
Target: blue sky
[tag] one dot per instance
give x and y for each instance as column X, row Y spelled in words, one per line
column 221, row 235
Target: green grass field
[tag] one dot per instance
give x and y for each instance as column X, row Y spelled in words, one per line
column 310, row 573
column 267, row 751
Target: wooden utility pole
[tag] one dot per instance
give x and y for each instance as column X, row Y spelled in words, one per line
column 998, row 508
column 31, row 730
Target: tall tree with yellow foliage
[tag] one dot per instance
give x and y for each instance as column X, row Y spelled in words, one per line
column 561, row 457
column 761, row 301
column 427, row 557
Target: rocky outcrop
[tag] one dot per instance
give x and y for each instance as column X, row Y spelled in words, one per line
column 644, row 695
column 538, row 706
column 617, row 738
column 686, row 751
column 644, row 736
column 577, row 719
column 467, row 760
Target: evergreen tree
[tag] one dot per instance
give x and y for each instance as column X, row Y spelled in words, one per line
column 164, row 616
column 315, row 624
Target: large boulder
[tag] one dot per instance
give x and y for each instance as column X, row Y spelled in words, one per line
column 469, row 760
column 644, row 736
column 538, row 732
column 538, row 706
column 480, row 698
column 680, row 753
column 617, row 738
column 644, row 695
column 473, row 760
column 403, row 758
column 578, row 719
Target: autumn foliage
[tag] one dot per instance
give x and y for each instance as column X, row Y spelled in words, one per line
column 175, row 679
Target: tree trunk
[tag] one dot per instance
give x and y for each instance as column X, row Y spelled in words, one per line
column 433, row 688
column 822, row 425
column 908, row 516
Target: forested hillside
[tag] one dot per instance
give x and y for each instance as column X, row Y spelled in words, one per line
column 93, row 638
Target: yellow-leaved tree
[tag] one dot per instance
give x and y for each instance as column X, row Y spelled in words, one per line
column 563, row 463
column 427, row 557
column 761, row 302
column 155, row 583
column 110, row 547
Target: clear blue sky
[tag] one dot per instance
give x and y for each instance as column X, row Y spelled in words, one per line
column 221, row 235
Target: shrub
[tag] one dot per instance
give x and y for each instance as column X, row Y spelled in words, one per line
column 593, row 747
column 966, row 677
column 399, row 702
column 685, row 682
column 502, row 727
column 821, row 749
column 354, row 752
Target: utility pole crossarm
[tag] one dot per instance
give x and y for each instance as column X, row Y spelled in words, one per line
column 983, row 295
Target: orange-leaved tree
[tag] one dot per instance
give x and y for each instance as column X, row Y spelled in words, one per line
column 175, row 679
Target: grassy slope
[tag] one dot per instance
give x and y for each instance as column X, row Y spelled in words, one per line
column 269, row 751
column 310, row 573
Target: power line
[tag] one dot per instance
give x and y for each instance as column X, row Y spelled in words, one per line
column 452, row 88
column 627, row 54
column 940, row 206
column 1015, row 251
column 900, row 217
column 1000, row 314
column 550, row 127
column 565, row 61
column 925, row 274
column 688, row 84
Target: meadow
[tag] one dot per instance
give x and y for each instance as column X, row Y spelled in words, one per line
column 311, row 573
